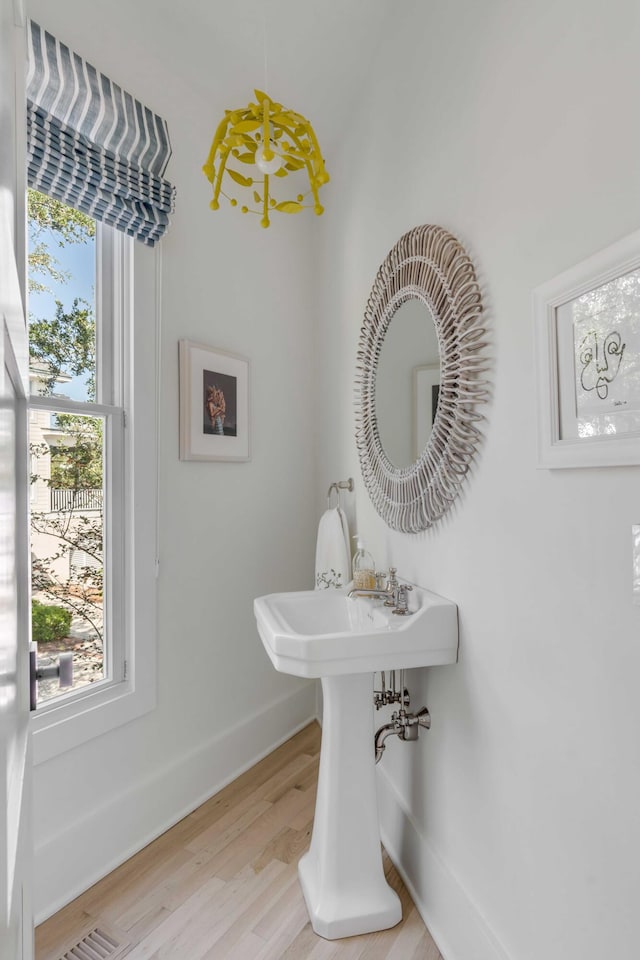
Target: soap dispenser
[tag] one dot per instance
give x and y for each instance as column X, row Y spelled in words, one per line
column 364, row 577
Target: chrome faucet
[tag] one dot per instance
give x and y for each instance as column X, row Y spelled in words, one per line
column 394, row 594
column 373, row 594
column 386, row 592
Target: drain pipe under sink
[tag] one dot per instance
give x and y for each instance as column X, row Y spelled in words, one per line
column 403, row 724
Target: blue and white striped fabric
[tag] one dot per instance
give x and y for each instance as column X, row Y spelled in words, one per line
column 92, row 145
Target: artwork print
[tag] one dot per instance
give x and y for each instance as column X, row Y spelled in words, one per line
column 214, row 403
column 587, row 338
column 606, row 345
column 220, row 404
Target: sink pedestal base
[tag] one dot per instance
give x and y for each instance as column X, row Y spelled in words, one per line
column 342, row 876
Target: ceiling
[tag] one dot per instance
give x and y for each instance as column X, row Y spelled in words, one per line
column 317, row 55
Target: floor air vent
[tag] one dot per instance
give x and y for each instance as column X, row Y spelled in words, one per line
column 96, row 945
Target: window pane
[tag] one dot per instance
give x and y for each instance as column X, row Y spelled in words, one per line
column 62, row 279
column 67, row 544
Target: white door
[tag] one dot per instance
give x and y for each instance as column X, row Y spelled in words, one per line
column 16, row 933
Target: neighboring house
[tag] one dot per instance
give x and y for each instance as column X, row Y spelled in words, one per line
column 56, row 507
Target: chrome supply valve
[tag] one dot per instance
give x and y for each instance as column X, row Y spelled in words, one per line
column 391, row 694
column 411, row 723
column 404, row 725
column 380, row 697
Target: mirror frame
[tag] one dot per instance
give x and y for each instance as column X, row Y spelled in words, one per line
column 431, row 265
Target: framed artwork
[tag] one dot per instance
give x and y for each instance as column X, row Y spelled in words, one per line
column 214, row 404
column 587, row 327
column 426, row 390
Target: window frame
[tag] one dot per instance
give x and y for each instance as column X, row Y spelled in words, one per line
column 127, row 286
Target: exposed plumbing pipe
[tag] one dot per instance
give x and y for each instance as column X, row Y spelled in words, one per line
column 387, row 730
column 404, row 725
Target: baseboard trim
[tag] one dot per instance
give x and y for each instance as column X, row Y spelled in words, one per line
column 87, row 850
column 453, row 919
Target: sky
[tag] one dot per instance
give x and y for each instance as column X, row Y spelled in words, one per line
column 78, row 260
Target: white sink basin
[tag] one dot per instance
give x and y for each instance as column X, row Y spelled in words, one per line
column 324, row 633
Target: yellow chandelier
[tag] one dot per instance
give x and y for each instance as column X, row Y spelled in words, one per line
column 278, row 142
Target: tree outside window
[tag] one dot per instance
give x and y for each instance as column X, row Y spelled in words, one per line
column 67, row 449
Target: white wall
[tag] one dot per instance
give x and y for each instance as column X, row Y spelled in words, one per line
column 516, row 818
column 228, row 532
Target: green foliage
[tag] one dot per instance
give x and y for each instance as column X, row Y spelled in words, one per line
column 42, row 261
column 82, row 591
column 77, row 464
column 66, row 342
column 49, row 216
column 49, row 623
column 71, row 225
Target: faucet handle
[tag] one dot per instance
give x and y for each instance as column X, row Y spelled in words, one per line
column 380, row 576
column 402, row 600
column 391, row 588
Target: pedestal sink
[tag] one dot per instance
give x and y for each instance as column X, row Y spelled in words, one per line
column 343, row 641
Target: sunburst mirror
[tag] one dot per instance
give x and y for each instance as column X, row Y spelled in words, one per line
column 420, row 378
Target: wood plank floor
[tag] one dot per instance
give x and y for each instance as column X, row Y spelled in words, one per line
column 222, row 884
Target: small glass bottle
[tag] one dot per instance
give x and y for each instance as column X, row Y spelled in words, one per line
column 364, row 577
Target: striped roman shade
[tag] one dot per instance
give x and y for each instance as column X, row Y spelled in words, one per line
column 92, row 145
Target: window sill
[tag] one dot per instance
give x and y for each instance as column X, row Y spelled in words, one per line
column 67, row 725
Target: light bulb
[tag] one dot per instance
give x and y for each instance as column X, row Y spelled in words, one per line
column 268, row 166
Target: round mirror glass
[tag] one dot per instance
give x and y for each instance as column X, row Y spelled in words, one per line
column 408, row 382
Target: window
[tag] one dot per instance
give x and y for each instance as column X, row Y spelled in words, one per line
column 76, row 442
column 83, row 360
column 101, row 154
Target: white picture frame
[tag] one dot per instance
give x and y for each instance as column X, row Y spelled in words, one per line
column 587, row 347
column 214, row 403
